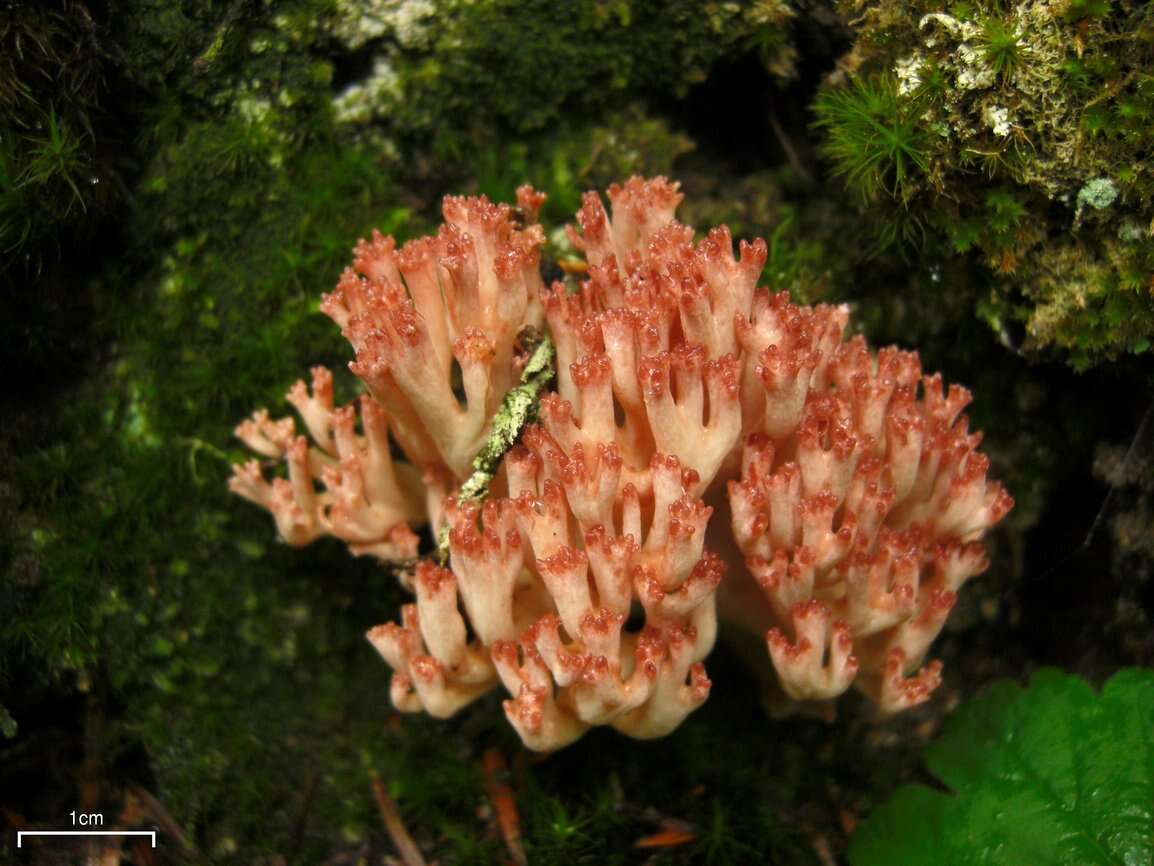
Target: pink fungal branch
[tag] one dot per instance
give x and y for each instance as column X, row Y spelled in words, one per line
column 710, row 451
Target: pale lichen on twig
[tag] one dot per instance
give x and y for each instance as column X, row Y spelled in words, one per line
column 517, row 409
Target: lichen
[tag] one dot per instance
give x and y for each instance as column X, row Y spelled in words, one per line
column 518, row 408
column 1098, row 193
column 1032, row 128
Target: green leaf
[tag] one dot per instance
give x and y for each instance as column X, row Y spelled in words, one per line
column 890, row 837
column 1050, row 774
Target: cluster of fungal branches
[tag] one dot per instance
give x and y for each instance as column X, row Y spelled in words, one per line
column 708, row 452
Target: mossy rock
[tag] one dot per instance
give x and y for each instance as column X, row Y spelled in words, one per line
column 1018, row 136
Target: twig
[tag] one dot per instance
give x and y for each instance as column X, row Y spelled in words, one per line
column 302, row 817
column 823, row 850
column 665, row 822
column 504, row 804
column 791, row 154
column 139, row 805
column 517, row 409
column 394, row 826
column 573, row 266
column 1127, row 459
column 100, row 851
column 665, row 839
column 1112, row 89
column 142, row 852
column 14, row 819
column 91, row 768
column 1082, row 548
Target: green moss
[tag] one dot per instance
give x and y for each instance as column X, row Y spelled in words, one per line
column 522, row 65
column 52, row 79
column 1001, row 48
column 137, row 585
column 207, row 635
column 875, row 140
column 1033, row 132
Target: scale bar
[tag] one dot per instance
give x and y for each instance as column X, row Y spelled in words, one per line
column 20, row 834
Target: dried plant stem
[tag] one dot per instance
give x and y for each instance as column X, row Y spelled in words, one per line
column 395, row 826
column 504, row 804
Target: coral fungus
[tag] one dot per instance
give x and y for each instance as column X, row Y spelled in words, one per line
column 709, row 448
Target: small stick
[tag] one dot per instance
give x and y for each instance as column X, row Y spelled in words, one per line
column 142, row 852
column 140, row 804
column 91, row 770
column 517, row 409
column 395, row 826
column 100, row 851
column 823, row 850
column 15, row 820
column 665, row 839
column 791, row 154
column 299, row 824
column 573, row 266
column 504, row 804
column 666, row 822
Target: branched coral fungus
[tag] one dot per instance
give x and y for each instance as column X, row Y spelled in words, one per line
column 709, row 447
